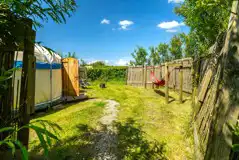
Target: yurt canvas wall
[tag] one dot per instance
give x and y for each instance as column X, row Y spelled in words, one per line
column 48, row 84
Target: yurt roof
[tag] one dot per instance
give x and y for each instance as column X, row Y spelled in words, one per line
column 42, row 55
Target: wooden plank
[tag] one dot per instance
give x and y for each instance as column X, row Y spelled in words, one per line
column 150, row 78
column 142, row 75
column 166, row 84
column 32, row 80
column 181, row 85
column 145, row 77
column 26, row 99
column 204, row 85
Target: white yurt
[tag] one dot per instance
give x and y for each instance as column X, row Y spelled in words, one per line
column 48, row 83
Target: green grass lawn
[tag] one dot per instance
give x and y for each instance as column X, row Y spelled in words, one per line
column 168, row 123
column 71, row 119
column 144, row 121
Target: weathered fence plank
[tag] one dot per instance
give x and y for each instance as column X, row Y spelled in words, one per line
column 166, row 83
column 181, row 84
column 26, row 97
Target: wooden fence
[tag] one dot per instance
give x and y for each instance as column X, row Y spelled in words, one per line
column 82, row 72
column 140, row 76
column 14, row 115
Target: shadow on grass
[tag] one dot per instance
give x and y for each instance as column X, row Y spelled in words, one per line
column 55, row 109
column 128, row 141
column 163, row 95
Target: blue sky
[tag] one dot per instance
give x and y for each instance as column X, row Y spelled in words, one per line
column 110, row 30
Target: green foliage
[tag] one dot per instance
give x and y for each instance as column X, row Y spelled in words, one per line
column 107, row 73
column 5, row 75
column 154, row 58
column 192, row 46
column 207, row 19
column 176, row 47
column 82, row 62
column 98, row 64
column 43, row 130
column 140, row 56
column 70, row 55
column 14, row 12
column 163, row 51
column 235, row 131
column 40, row 10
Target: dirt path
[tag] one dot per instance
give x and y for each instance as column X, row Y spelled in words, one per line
column 106, row 145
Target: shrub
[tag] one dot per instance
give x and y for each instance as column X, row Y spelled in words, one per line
column 107, row 73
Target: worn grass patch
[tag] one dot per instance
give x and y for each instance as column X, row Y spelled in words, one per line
column 74, row 140
column 166, row 123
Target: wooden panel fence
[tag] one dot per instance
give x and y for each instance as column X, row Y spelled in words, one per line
column 140, row 76
column 83, row 72
column 11, row 114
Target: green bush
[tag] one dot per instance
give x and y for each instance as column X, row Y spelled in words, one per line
column 107, row 73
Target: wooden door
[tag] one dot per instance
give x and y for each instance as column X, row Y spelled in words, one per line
column 70, row 77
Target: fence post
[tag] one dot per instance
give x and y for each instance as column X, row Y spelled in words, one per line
column 166, row 83
column 26, row 99
column 152, row 81
column 181, row 83
column 142, row 76
column 145, row 76
column 127, row 75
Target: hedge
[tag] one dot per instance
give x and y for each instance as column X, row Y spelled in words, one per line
column 107, row 73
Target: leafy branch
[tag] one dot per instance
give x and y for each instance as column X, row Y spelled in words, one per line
column 43, row 130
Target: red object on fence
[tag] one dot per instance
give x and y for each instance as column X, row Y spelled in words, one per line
column 156, row 81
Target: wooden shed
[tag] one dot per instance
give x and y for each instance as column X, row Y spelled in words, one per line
column 70, row 77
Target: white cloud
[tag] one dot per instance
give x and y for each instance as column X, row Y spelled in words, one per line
column 125, row 24
column 90, row 61
column 170, row 25
column 171, row 30
column 106, row 61
column 105, row 21
column 122, row 62
column 175, row 1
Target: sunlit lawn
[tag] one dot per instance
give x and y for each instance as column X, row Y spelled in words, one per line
column 70, row 119
column 168, row 124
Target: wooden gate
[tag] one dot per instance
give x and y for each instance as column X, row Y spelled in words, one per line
column 70, row 77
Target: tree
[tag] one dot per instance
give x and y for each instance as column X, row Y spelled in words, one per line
column 71, row 55
column 206, row 18
column 13, row 12
column 39, row 10
column 83, row 62
column 140, row 56
column 176, row 47
column 191, row 45
column 98, row 64
column 162, row 50
column 154, row 58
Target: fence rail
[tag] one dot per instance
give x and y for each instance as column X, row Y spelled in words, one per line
column 140, row 76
